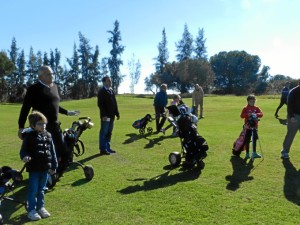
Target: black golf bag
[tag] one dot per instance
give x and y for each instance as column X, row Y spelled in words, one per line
column 194, row 146
column 74, row 146
column 141, row 124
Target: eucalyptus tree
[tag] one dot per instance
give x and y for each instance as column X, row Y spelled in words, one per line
column 6, row 68
column 32, row 68
column 46, row 61
column 184, row 47
column 200, row 48
column 114, row 61
column 12, row 78
column 163, row 53
column 85, row 61
column 134, row 67
column 74, row 74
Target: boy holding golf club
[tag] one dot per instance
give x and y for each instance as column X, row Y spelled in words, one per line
column 251, row 115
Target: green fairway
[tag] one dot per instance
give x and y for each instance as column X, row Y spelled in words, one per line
column 137, row 185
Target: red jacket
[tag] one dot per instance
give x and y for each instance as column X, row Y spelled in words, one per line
column 247, row 110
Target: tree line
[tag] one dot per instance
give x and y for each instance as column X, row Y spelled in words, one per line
column 233, row 72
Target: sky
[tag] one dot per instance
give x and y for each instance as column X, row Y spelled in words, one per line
column 267, row 28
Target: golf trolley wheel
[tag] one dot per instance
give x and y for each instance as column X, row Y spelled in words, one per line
column 201, row 164
column 149, row 130
column 88, row 172
column 52, row 180
column 142, row 131
column 175, row 158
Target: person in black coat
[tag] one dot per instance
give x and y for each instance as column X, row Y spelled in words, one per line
column 108, row 107
column 43, row 97
column 38, row 153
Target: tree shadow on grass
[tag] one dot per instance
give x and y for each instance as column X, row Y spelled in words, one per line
column 291, row 186
column 152, row 142
column 162, row 181
column 134, row 137
column 241, row 171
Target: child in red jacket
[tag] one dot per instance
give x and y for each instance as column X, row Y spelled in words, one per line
column 250, row 114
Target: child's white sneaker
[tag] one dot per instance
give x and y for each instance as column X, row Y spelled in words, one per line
column 33, row 215
column 44, row 213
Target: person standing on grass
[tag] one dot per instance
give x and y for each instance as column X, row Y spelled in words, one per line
column 43, row 97
column 197, row 100
column 160, row 102
column 176, row 101
column 250, row 113
column 38, row 153
column 293, row 120
column 283, row 100
column 108, row 107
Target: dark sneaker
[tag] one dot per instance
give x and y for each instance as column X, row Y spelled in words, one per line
column 111, row 151
column 104, row 152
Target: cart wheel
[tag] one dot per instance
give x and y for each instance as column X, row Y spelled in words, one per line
column 52, row 180
column 149, row 130
column 174, row 158
column 88, row 172
column 142, row 131
column 201, row 164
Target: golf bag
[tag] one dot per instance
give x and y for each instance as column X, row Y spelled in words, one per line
column 194, row 146
column 141, row 124
column 75, row 147
column 239, row 144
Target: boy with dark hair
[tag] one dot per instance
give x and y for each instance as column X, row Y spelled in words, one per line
column 38, row 153
column 250, row 114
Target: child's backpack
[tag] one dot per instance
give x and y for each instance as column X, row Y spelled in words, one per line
column 239, row 144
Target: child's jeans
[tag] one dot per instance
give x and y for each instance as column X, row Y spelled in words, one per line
column 36, row 190
column 248, row 136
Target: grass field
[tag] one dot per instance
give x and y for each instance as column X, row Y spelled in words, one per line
column 137, row 185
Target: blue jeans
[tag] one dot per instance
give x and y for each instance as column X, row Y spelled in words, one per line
column 36, row 190
column 105, row 134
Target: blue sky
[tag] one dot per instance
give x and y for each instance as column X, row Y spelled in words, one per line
column 267, row 28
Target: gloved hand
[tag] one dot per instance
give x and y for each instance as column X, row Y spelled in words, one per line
column 73, row 113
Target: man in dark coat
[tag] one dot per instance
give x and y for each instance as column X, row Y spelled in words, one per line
column 108, row 107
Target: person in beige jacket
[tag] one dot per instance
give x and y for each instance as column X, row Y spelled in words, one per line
column 197, row 99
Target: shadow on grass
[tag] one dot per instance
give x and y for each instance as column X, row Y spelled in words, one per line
column 291, row 186
column 152, row 142
column 8, row 207
column 161, row 181
column 241, row 171
column 282, row 121
column 134, row 137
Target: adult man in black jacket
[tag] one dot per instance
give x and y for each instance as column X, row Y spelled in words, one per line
column 43, row 97
column 293, row 118
column 108, row 107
